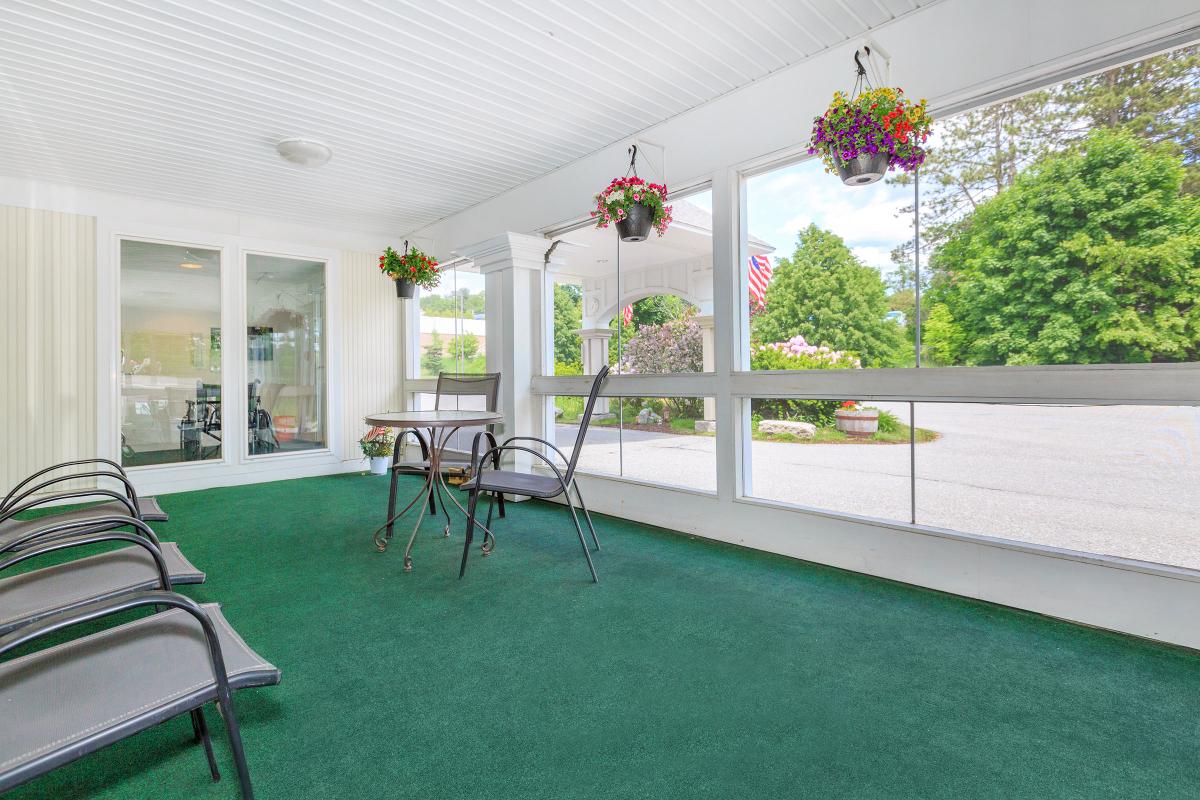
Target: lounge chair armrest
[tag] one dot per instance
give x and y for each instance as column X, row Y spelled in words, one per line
column 15, row 498
column 52, row 530
column 39, row 473
column 75, row 494
column 54, row 545
column 126, row 602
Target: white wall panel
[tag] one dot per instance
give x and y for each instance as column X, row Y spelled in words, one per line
column 47, row 354
column 372, row 347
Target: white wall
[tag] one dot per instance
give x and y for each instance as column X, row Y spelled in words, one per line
column 60, row 366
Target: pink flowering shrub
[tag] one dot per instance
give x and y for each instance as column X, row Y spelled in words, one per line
column 796, row 353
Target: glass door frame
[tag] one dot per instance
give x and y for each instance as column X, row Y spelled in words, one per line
column 331, row 406
column 110, row 406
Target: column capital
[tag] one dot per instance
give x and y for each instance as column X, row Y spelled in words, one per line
column 508, row 251
column 595, row 333
column 706, row 321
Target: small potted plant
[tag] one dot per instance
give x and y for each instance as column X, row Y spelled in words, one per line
column 410, row 270
column 856, row 421
column 377, row 446
column 860, row 138
column 635, row 206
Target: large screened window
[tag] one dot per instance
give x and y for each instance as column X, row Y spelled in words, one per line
column 1056, row 229
column 170, row 358
column 285, row 354
column 641, row 308
column 452, row 332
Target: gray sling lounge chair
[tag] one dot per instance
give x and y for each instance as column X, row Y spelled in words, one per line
column 74, row 698
column 145, row 564
column 499, row 482
column 25, row 497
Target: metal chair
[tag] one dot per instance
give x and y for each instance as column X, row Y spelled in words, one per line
column 499, row 482
column 450, row 385
column 73, row 698
column 25, row 497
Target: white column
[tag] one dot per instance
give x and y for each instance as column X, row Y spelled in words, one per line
column 707, row 325
column 595, row 355
column 512, row 266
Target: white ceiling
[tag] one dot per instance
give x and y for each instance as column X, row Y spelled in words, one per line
column 430, row 106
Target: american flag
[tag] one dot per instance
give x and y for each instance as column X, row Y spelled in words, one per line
column 627, row 315
column 760, row 276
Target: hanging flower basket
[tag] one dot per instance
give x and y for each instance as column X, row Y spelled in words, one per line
column 633, row 205
column 410, row 270
column 863, row 136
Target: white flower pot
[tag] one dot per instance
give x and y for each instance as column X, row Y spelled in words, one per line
column 379, row 464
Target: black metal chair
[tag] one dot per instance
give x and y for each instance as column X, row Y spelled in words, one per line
column 145, row 563
column 450, row 385
column 32, row 493
column 498, row 482
column 73, row 698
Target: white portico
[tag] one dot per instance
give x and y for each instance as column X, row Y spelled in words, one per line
column 679, row 263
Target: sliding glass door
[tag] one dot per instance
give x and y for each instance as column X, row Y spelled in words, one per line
column 285, row 354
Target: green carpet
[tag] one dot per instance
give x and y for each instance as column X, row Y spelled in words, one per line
column 693, row 670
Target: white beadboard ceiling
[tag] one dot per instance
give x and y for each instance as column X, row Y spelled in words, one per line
column 430, row 106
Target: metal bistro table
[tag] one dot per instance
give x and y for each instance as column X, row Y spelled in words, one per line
column 441, row 426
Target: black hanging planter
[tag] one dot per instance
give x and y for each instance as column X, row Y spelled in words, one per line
column 405, row 289
column 636, row 226
column 861, row 170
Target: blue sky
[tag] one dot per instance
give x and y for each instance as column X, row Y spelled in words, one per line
column 783, row 202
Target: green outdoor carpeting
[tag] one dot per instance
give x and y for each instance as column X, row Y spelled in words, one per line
column 692, row 670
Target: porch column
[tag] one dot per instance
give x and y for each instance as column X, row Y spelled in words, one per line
column 595, row 355
column 708, row 340
column 512, row 265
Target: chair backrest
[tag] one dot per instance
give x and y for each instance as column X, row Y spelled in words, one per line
column 585, row 421
column 455, row 384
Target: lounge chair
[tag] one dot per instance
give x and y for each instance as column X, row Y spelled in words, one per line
column 24, row 497
column 145, row 564
column 71, row 699
column 498, row 482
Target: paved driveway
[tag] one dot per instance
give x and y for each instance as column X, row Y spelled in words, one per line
column 1122, row 480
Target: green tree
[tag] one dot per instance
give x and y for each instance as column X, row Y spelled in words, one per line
column 432, row 359
column 825, row 294
column 568, row 318
column 468, row 344
column 1092, row 256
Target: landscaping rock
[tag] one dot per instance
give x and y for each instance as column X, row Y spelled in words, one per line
column 706, row 426
column 558, row 412
column 648, row 417
column 777, row 427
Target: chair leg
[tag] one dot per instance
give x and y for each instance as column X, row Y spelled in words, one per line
column 225, row 705
column 391, row 504
column 432, row 492
column 586, row 515
column 582, row 541
column 500, row 501
column 200, row 728
column 470, row 531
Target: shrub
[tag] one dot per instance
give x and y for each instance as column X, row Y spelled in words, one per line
column 796, row 354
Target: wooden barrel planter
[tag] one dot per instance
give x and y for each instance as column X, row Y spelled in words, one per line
column 858, row 424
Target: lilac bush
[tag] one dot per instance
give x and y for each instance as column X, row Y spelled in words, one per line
column 674, row 346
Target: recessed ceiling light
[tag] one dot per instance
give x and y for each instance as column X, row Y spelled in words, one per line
column 189, row 261
column 305, row 152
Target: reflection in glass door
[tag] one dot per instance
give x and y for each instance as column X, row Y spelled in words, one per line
column 285, row 352
column 170, row 354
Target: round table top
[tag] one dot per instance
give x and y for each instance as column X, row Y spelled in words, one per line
column 432, row 419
